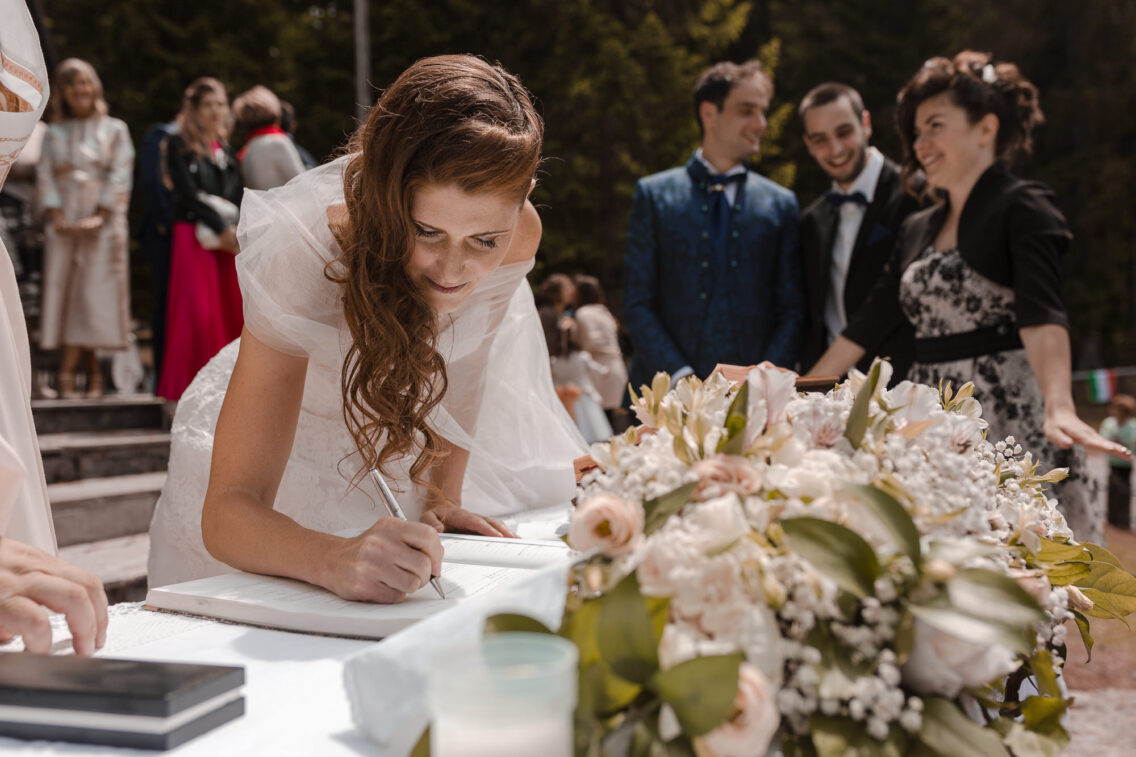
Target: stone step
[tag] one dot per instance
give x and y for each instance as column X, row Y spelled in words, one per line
column 113, row 412
column 73, row 455
column 120, row 563
column 94, row 509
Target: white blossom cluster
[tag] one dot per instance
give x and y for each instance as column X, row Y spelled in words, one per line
column 734, row 587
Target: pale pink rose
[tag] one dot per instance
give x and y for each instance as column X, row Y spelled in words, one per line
column 607, row 522
column 725, row 474
column 755, row 720
column 654, row 574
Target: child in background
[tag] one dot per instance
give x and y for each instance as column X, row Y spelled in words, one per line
column 593, row 328
column 1120, row 426
column 572, row 371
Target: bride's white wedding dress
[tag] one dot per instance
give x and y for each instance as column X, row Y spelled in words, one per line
column 500, row 404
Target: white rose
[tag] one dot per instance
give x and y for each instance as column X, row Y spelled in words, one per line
column 755, row 720
column 942, row 663
column 717, row 523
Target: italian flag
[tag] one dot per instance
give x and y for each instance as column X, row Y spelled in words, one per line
column 1102, row 385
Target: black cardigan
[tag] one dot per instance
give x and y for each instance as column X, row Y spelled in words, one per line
column 1010, row 231
column 191, row 173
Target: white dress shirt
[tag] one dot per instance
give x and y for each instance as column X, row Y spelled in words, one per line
column 851, row 216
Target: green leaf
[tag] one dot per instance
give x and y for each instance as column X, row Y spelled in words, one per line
column 607, row 693
column 893, row 516
column 970, row 628
column 1054, row 551
column 1043, row 714
column 1112, row 589
column 904, row 637
column 659, row 510
column 512, row 622
column 837, row 552
column 422, row 746
column 701, row 691
column 858, row 416
column 831, row 736
column 600, row 690
column 1086, row 634
column 1041, row 663
column 1067, row 573
column 1027, row 743
column 1100, row 553
column 993, row 596
column 625, row 633
column 948, row 732
column 733, row 443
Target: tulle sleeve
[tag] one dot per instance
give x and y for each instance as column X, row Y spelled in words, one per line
column 501, row 404
column 286, row 246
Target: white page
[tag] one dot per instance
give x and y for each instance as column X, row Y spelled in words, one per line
column 490, row 550
column 294, row 605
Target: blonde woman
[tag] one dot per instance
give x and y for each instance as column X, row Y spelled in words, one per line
column 84, row 178
column 203, row 312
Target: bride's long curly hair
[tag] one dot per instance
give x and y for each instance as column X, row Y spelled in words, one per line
column 451, row 119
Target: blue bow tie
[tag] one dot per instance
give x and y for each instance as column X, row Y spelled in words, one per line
column 836, row 199
column 719, row 182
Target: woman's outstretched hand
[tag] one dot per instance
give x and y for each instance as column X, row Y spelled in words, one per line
column 449, row 516
column 1064, row 428
column 386, row 562
column 31, row 579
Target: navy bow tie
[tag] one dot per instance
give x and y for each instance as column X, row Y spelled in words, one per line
column 719, row 182
column 836, row 199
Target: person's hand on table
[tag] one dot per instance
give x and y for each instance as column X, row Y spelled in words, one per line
column 445, row 515
column 386, row 562
column 30, row 580
column 1064, row 428
column 735, row 373
column 583, row 464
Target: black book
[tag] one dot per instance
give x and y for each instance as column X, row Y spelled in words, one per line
column 127, row 703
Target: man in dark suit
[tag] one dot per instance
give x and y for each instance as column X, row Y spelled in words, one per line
column 712, row 272
column 847, row 235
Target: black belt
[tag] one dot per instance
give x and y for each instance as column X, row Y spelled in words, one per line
column 968, row 344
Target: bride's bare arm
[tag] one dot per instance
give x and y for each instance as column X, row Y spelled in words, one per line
column 238, row 523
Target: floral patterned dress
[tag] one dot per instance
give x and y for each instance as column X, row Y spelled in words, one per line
column 941, row 295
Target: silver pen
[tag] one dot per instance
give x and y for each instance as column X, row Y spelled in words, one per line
column 396, row 512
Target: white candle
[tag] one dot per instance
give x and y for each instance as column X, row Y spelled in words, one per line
column 512, row 695
column 459, row 737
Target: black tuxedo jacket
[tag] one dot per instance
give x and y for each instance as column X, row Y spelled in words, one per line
column 873, row 247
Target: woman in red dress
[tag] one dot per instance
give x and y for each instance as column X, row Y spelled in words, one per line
column 204, row 310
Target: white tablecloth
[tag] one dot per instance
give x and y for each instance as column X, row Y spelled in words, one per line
column 295, row 703
column 295, row 700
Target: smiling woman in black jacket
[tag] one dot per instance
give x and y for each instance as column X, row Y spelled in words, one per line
column 979, row 274
column 204, row 309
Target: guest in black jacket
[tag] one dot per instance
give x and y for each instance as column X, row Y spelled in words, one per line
column 978, row 275
column 204, row 309
column 848, row 233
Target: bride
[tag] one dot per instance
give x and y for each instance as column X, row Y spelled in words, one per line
column 388, row 323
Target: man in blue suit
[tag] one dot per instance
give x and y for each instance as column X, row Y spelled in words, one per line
column 712, row 273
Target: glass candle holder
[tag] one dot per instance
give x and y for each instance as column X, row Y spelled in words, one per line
column 511, row 695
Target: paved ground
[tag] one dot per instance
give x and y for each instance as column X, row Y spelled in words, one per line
column 1103, row 722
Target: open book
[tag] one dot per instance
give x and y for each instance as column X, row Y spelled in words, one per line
column 472, row 565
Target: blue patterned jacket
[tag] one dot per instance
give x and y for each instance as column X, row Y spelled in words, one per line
column 678, row 310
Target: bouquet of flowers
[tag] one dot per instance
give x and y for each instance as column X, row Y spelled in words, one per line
column 861, row 571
